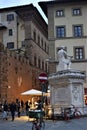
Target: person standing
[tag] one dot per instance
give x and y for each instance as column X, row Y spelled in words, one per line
column 40, row 105
column 18, row 108
column 13, row 109
column 27, row 107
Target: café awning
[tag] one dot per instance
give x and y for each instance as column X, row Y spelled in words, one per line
column 32, row 92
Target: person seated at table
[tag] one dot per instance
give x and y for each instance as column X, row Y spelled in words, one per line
column 39, row 106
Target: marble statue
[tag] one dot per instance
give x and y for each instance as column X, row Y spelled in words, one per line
column 64, row 60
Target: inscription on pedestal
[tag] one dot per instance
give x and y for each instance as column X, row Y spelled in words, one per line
column 60, row 95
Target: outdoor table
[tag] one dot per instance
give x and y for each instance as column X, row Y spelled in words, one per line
column 35, row 113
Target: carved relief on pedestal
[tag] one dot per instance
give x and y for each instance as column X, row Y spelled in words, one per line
column 76, row 93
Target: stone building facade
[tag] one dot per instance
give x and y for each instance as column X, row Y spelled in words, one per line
column 67, row 27
column 23, row 32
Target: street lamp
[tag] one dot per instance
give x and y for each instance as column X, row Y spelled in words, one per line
column 43, row 80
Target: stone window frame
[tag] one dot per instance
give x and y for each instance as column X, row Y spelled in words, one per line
column 76, row 11
column 62, row 31
column 60, row 13
column 80, row 53
column 10, row 17
column 10, row 45
column 10, row 32
column 79, row 31
column 22, row 43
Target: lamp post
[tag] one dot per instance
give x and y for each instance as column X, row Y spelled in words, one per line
column 43, row 80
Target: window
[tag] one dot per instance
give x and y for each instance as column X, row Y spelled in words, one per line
column 79, row 53
column 85, row 91
column 45, row 47
column 76, row 11
column 60, row 13
column 60, row 32
column 39, row 63
column 78, row 30
column 34, row 35
column 22, row 44
column 35, row 61
column 10, row 32
column 38, row 40
column 42, row 65
column 10, row 17
column 46, row 67
column 10, row 45
column 42, row 42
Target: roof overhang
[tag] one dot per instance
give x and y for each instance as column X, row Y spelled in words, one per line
column 44, row 4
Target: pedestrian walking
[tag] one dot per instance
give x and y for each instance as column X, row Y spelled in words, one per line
column 13, row 109
column 5, row 110
column 22, row 104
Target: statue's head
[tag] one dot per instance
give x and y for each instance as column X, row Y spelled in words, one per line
column 63, row 47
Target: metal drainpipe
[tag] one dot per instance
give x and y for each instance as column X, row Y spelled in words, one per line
column 17, row 32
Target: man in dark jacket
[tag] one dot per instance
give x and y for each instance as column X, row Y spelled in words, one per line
column 13, row 109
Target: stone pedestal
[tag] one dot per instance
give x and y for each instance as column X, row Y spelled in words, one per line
column 67, row 89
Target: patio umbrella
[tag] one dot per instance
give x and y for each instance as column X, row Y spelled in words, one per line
column 32, row 92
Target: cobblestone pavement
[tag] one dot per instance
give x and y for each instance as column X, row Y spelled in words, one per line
column 23, row 123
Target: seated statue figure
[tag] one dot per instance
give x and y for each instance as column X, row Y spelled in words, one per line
column 64, row 60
